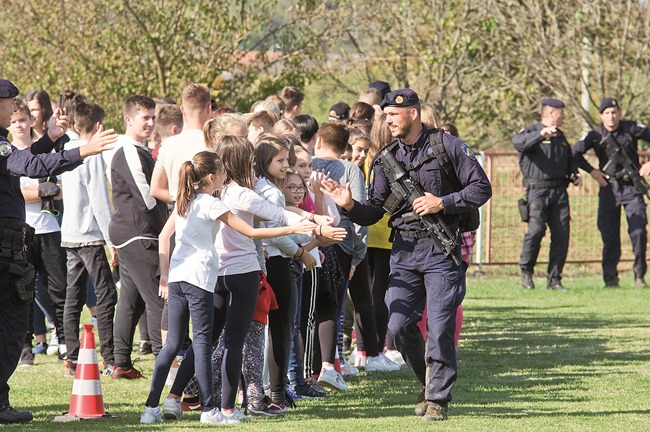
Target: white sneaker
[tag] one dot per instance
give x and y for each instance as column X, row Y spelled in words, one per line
column 359, row 360
column 395, row 356
column 353, row 356
column 348, row 370
column 332, row 379
column 214, row 416
column 151, row 416
column 53, row 345
column 172, row 409
column 171, row 376
column 235, row 414
column 380, row 364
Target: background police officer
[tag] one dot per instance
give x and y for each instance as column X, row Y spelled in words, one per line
column 616, row 192
column 421, row 274
column 547, row 165
column 16, row 277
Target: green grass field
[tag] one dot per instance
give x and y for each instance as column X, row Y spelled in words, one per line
column 528, row 361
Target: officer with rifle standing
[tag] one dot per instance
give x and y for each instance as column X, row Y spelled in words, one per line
column 547, row 165
column 622, row 183
column 425, row 267
column 16, row 275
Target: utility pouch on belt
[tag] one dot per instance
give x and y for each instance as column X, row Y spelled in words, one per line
column 523, row 209
column 25, row 283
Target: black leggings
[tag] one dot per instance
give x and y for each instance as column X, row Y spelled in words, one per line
column 364, row 314
column 379, row 265
column 281, row 323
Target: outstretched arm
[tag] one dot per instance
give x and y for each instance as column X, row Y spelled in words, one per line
column 239, row 225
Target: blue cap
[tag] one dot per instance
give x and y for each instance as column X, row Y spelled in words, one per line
column 7, row 89
column 553, row 103
column 608, row 103
column 400, row 98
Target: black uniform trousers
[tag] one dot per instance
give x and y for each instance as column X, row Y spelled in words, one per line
column 13, row 325
column 547, row 206
column 609, row 224
column 421, row 276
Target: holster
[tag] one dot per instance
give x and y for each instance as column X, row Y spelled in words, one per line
column 15, row 238
column 25, row 283
column 523, row 209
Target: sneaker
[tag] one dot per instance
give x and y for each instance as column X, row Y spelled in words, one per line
column 347, row 370
column 151, row 416
column 70, row 368
column 380, row 363
column 639, row 283
column 171, row 376
column 93, row 321
column 40, row 348
column 144, row 348
column 395, row 356
column 313, row 382
column 26, row 357
column 527, row 281
column 435, row 412
column 8, row 415
column 126, row 373
column 108, row 369
column 421, row 404
column 172, row 409
column 266, row 408
column 359, row 359
column 304, row 389
column 53, row 346
column 290, row 389
column 191, row 406
column 332, row 379
column 611, row 283
column 235, row 415
column 214, row 416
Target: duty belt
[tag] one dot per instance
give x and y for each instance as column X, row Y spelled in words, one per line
column 414, row 234
column 544, row 184
column 15, row 237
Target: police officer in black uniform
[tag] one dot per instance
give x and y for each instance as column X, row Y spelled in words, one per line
column 547, row 164
column 421, row 274
column 16, row 275
column 615, row 192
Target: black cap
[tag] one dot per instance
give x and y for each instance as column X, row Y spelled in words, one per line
column 400, row 98
column 553, row 103
column 382, row 86
column 608, row 103
column 340, row 111
column 7, row 89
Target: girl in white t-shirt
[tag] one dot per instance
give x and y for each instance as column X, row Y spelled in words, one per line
column 188, row 281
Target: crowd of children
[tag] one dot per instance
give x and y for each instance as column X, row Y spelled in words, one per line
column 219, row 219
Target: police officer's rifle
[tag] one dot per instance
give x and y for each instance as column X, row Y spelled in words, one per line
column 621, row 167
column 404, row 188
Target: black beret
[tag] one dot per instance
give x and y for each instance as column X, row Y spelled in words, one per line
column 608, row 103
column 382, row 86
column 340, row 111
column 7, row 89
column 400, row 98
column 553, row 103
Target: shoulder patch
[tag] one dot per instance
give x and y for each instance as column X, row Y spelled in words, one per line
column 5, row 148
column 641, row 125
column 468, row 151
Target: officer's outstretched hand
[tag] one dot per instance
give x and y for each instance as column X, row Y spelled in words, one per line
column 645, row 169
column 100, row 141
column 600, row 177
column 342, row 196
column 428, row 204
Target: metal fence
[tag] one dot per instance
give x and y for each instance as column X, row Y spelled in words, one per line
column 501, row 233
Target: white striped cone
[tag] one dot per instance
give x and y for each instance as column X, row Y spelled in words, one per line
column 86, row 400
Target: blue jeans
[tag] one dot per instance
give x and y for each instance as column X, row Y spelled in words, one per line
column 185, row 301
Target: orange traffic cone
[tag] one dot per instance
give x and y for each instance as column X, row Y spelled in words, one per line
column 86, row 401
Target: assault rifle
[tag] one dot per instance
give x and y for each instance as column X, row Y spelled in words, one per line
column 621, row 167
column 404, row 189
